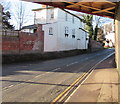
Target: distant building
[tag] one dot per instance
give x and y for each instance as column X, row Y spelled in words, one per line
column 30, row 28
column 109, row 33
column 62, row 29
column 108, row 27
column 100, row 35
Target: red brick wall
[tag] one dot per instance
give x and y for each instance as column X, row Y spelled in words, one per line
column 10, row 44
column 27, row 41
column 96, row 45
column 23, row 43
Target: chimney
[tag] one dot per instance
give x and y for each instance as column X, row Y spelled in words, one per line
column 44, row 6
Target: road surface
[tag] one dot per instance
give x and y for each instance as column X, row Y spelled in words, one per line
column 43, row 81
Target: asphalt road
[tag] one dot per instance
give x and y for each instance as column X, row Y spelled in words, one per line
column 44, row 81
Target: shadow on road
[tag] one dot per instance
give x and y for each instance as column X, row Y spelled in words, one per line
column 30, row 82
column 83, row 65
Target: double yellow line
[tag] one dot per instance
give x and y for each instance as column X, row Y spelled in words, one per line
column 79, row 79
column 66, row 90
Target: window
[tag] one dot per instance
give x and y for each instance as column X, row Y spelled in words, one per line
column 73, row 19
column 66, row 31
column 73, row 33
column 35, row 30
column 52, row 14
column 73, row 36
column 50, row 31
column 66, row 16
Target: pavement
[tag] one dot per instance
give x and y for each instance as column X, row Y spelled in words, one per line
column 100, row 86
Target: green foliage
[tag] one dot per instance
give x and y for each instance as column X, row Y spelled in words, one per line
column 5, row 21
column 87, row 19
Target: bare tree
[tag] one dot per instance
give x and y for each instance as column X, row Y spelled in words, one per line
column 21, row 15
column 6, row 4
column 96, row 23
column 97, row 20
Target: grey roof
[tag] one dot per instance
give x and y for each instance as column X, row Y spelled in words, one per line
column 43, row 8
column 30, row 27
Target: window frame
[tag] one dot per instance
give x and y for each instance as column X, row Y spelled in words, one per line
column 66, row 16
column 52, row 14
column 73, row 19
column 73, row 33
column 50, row 30
column 66, row 31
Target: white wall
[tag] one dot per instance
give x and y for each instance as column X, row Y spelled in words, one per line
column 69, row 43
column 82, row 43
column 44, row 16
column 49, row 13
column 110, row 36
column 58, row 41
column 50, row 41
column 40, row 16
column 66, row 43
column 28, row 30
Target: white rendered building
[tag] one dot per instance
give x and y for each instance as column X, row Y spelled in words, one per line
column 62, row 30
column 109, row 32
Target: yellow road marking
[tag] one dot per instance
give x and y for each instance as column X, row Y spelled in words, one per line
column 80, row 78
column 55, row 100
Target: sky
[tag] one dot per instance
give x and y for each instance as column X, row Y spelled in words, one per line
column 28, row 6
